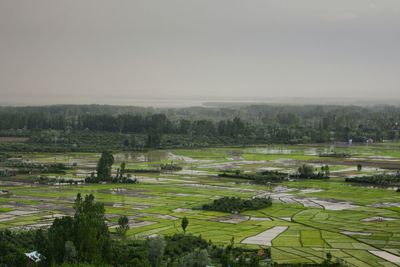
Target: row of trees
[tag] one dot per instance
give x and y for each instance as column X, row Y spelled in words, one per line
column 377, row 179
column 264, row 177
column 258, row 123
column 23, row 167
column 236, row 204
column 124, row 123
column 306, row 171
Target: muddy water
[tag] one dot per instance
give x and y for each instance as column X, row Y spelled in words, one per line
column 272, row 150
column 154, row 155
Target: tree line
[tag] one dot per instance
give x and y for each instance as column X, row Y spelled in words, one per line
column 235, row 125
column 377, row 179
column 263, row 177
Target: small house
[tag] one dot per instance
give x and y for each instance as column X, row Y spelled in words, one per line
column 34, row 256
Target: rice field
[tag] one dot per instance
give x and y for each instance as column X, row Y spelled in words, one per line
column 308, row 218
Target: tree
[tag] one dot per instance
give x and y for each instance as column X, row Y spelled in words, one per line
column 325, row 170
column 126, row 143
column 359, row 167
column 197, row 258
column 184, row 223
column 123, row 226
column 70, row 253
column 156, row 248
column 329, row 256
column 41, row 242
column 104, row 166
column 61, row 231
column 254, row 261
column 91, row 236
column 305, row 171
column 153, row 139
column 132, row 142
column 122, row 169
column 232, row 242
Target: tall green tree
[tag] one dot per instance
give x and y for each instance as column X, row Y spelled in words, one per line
column 82, row 238
column 70, row 253
column 92, row 239
column 123, row 226
column 104, row 166
column 156, row 249
column 359, row 167
column 184, row 224
column 153, row 139
column 61, row 231
column 122, row 170
column 197, row 258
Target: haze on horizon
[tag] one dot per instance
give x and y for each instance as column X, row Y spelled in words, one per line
column 94, row 51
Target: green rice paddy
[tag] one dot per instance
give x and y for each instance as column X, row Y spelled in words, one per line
column 157, row 203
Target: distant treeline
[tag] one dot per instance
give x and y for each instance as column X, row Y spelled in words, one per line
column 123, row 123
column 30, row 167
column 378, row 179
column 236, row 125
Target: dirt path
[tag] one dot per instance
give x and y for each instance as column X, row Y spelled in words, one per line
column 386, row 256
column 265, row 238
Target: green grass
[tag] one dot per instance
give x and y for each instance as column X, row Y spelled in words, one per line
column 2, row 209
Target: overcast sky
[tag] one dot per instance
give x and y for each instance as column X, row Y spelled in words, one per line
column 85, row 50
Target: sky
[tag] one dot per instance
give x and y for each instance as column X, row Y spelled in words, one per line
column 94, row 51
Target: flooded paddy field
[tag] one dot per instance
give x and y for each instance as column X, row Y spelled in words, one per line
column 308, row 218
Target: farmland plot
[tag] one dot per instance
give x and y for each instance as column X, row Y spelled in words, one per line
column 308, row 218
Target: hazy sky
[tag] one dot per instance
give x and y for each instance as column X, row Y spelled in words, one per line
column 84, row 50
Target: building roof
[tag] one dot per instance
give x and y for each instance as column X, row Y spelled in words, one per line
column 34, row 256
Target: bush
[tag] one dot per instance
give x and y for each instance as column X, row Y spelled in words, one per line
column 180, row 244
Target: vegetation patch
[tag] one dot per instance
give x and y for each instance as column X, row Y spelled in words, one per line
column 309, row 172
column 236, row 204
column 264, row 177
column 379, row 179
